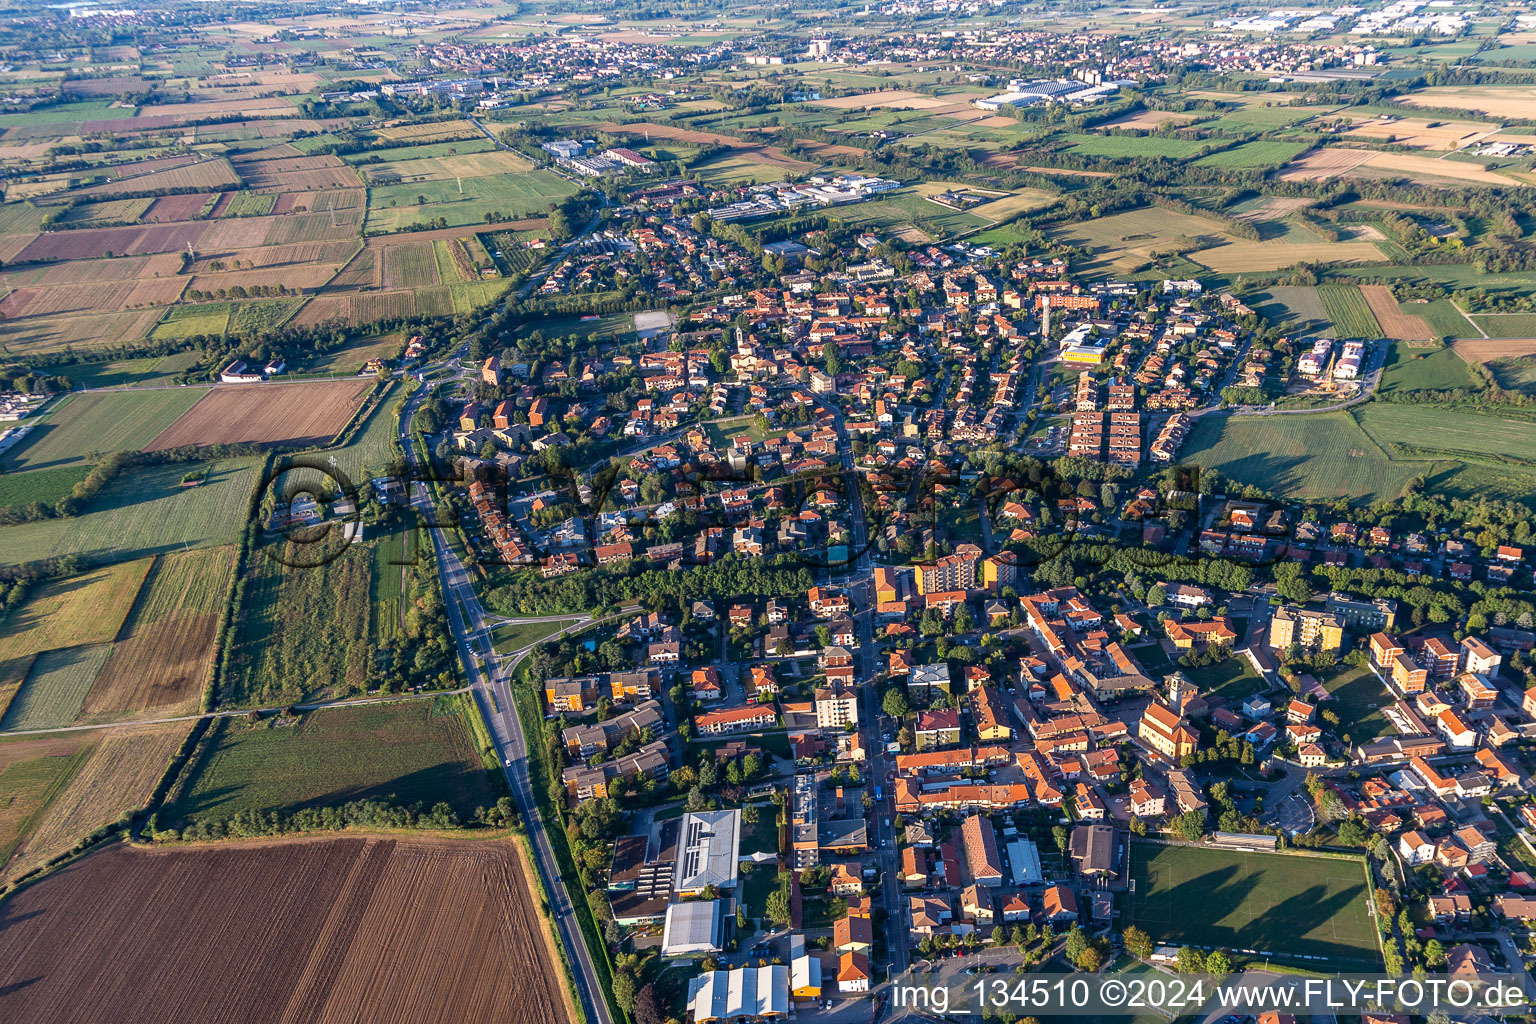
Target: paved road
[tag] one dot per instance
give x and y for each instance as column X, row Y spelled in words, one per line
column 471, row 632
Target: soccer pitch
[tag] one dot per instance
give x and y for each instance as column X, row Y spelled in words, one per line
column 1285, row 905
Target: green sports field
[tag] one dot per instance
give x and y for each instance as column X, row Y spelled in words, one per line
column 1285, row 905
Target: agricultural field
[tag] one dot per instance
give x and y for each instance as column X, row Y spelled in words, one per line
column 295, row 414
column 736, row 169
column 1293, row 307
column 910, row 207
column 1321, row 455
column 1391, row 318
column 248, row 317
column 41, row 486
column 1348, row 310
column 1495, row 100
column 1249, row 257
column 1127, row 240
column 510, row 637
column 1425, row 369
column 72, row 611
column 1513, row 373
column 1423, row 134
column 407, row 752
column 1132, row 147
column 141, row 936
column 1428, row 432
column 1357, row 696
column 1285, row 905
column 145, row 512
column 55, row 688
column 303, row 631
column 117, row 773
column 464, row 201
column 1506, row 325
column 100, row 421
column 124, row 372
column 1263, row 153
column 165, row 648
column 32, row 772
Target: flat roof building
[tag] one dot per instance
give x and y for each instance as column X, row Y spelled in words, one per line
column 693, row 928
column 707, row 851
column 739, row 995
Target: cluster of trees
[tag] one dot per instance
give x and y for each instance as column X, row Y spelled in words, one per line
column 255, row 291
column 353, row 814
column 525, row 593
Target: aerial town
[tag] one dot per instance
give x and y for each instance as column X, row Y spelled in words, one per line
column 554, row 511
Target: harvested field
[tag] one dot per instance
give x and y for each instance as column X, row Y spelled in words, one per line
column 55, row 688
column 307, row 277
column 1495, row 100
column 1241, row 257
column 120, row 771
column 330, row 930
column 443, row 168
column 32, row 771
column 1274, row 208
column 412, row 265
column 1422, row 134
column 296, row 414
column 165, row 648
column 77, row 610
column 1427, row 170
column 91, row 243
column 1394, row 322
column 100, row 421
column 1144, row 120
column 209, row 175
column 268, row 256
column 898, row 99
column 50, row 334
column 428, row 132
column 1486, row 350
column 174, row 208
column 355, row 309
column 1323, row 164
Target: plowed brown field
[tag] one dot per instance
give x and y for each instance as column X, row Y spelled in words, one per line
column 266, row 414
column 1394, row 322
column 356, row 929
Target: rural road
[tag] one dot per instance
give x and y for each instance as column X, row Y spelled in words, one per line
column 493, row 694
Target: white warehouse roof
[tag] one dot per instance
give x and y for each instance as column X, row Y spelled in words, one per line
column 707, row 850
column 739, row 995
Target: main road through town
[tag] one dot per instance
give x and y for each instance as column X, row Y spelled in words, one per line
column 489, row 676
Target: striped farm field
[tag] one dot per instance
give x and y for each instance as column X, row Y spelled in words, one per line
column 1313, row 455
column 144, row 513
column 1349, row 312
column 73, row 611
column 291, row 414
column 1427, row 431
column 165, row 648
column 1394, row 322
column 1250, row 257
column 112, row 773
column 100, row 421
column 54, row 691
column 32, row 772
